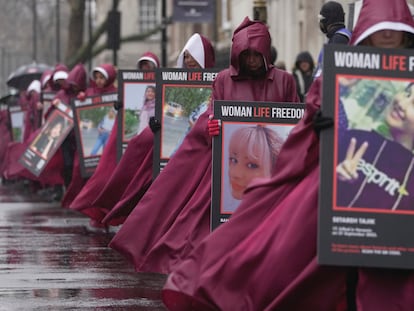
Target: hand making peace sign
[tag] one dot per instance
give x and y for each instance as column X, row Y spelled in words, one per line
column 347, row 169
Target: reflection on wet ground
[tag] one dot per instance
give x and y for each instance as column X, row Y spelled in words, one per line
column 51, row 259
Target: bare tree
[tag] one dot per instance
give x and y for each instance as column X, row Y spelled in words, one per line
column 76, row 28
column 91, row 48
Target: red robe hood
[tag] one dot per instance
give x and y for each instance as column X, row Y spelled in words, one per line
column 378, row 15
column 249, row 35
column 149, row 56
column 109, row 72
column 77, row 76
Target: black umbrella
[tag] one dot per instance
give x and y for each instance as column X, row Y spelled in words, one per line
column 24, row 75
column 9, row 99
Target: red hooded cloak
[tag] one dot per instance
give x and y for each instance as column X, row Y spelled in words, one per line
column 174, row 214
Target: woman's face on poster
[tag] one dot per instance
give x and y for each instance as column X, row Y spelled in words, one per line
column 56, row 130
column 150, row 93
column 400, row 115
column 243, row 169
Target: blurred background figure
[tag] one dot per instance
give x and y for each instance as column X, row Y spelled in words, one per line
column 332, row 24
column 148, row 61
column 33, row 115
column 303, row 73
column 280, row 64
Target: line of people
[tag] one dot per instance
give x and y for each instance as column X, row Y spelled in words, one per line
column 265, row 256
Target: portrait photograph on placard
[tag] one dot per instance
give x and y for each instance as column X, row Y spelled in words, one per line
column 95, row 118
column 137, row 94
column 249, row 151
column 246, row 149
column 95, row 126
column 45, row 144
column 139, row 100
column 181, row 108
column 182, row 96
column 366, row 201
column 374, row 108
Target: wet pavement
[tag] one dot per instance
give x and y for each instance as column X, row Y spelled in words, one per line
column 51, row 259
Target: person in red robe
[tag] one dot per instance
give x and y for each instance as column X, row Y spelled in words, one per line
column 101, row 82
column 52, row 181
column 6, row 134
column 264, row 257
column 33, row 112
column 174, row 214
column 148, row 61
column 61, row 165
column 106, row 185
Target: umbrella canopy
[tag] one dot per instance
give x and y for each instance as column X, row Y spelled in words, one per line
column 24, row 75
column 9, row 99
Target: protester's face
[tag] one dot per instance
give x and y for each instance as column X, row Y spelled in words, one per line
column 189, row 61
column 56, row 130
column 387, row 39
column 252, row 60
column 150, row 93
column 146, row 65
column 400, row 116
column 304, row 66
column 242, row 169
column 99, row 79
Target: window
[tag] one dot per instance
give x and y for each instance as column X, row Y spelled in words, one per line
column 148, row 15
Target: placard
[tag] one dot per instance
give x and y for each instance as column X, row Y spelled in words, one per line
column 247, row 147
column 52, row 133
column 16, row 116
column 182, row 96
column 94, row 119
column 366, row 199
column 133, row 117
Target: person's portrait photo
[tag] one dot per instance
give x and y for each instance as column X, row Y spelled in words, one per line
column 103, row 130
column 48, row 141
column 250, row 152
column 139, row 106
column 374, row 168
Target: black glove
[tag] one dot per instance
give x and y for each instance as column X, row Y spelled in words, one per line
column 320, row 122
column 154, row 124
column 118, row 105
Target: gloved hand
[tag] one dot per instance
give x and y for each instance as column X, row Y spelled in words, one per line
column 320, row 122
column 154, row 124
column 118, row 105
column 213, row 126
column 81, row 96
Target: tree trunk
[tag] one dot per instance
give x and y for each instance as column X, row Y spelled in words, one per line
column 76, row 28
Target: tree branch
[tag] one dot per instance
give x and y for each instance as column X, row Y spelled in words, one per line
column 83, row 53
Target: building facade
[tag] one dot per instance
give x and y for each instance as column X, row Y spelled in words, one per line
column 293, row 25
